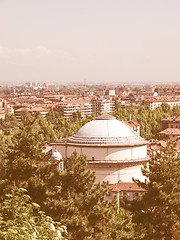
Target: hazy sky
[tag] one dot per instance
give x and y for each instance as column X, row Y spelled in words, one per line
column 97, row 40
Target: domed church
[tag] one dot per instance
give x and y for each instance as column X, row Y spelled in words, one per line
column 114, row 151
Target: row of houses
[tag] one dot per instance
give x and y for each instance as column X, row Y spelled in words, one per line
column 98, row 102
column 66, row 108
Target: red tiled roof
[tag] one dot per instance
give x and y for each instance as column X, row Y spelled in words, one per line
column 171, row 131
column 101, row 89
column 163, row 100
column 125, row 186
column 155, row 145
column 75, row 101
column 22, row 109
column 33, row 109
column 131, row 123
column 146, row 92
column 62, row 139
column 172, row 119
column 38, row 109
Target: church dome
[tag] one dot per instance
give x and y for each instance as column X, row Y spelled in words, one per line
column 106, row 130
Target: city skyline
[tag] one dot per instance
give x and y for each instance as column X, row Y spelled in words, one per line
column 93, row 41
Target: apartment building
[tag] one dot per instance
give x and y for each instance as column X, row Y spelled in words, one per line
column 154, row 103
column 125, row 190
column 170, row 122
column 5, row 108
column 101, row 92
column 33, row 110
column 2, row 114
column 170, row 128
column 100, row 106
column 171, row 134
column 67, row 108
column 110, row 92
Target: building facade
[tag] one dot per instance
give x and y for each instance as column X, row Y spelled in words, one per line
column 114, row 151
column 67, row 108
column 101, row 106
column 154, row 103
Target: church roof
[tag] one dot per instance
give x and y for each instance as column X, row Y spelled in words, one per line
column 106, row 130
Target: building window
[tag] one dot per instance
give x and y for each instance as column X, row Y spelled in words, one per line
column 136, row 194
column 92, row 158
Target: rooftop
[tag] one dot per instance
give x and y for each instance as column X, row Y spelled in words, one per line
column 171, row 131
column 125, row 186
column 106, row 130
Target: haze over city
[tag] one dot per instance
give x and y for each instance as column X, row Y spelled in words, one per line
column 94, row 41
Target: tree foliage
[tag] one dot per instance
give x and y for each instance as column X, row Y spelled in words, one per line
column 66, row 127
column 71, row 196
column 8, row 124
column 149, row 120
column 21, row 219
column 157, row 214
column 23, row 155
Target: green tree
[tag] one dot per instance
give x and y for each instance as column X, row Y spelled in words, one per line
column 76, row 116
column 29, row 140
column 157, row 214
column 21, row 219
column 71, row 196
column 176, row 111
column 52, row 116
column 80, row 204
column 149, row 120
column 47, row 129
column 165, row 107
column 5, row 143
column 8, row 124
column 23, row 155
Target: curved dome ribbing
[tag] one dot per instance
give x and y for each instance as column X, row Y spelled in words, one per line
column 106, row 129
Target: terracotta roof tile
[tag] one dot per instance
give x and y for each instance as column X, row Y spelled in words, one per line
column 75, row 101
column 125, row 186
column 171, row 131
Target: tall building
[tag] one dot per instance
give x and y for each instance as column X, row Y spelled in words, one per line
column 101, row 106
column 67, row 108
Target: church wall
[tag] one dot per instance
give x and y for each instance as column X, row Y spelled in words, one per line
column 99, row 153
column 96, row 153
column 139, row 152
column 113, row 175
column 119, row 153
column 59, row 148
column 109, row 172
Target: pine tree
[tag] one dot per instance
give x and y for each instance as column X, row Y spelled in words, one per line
column 157, row 214
column 72, row 197
column 80, row 204
column 23, row 156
